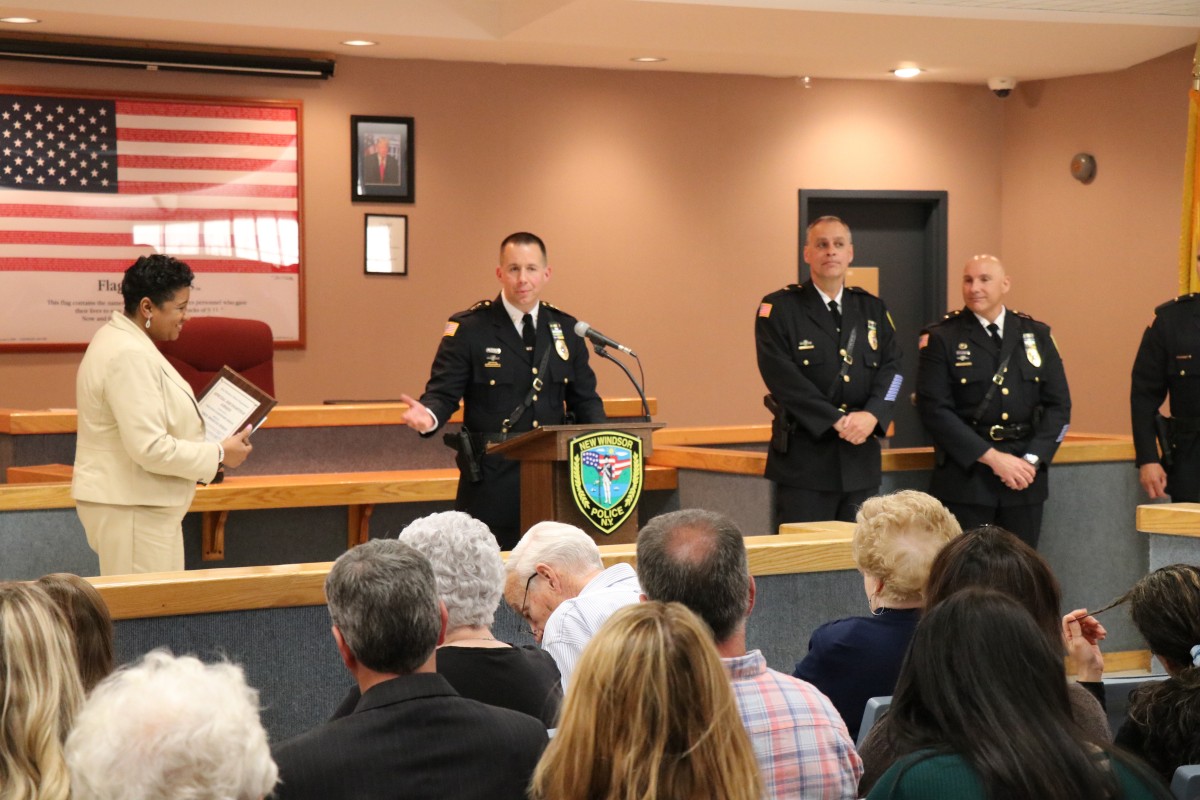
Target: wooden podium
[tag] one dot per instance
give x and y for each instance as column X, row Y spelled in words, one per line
column 546, row 492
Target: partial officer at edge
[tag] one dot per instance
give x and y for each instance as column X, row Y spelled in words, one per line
column 1168, row 363
column 517, row 364
column 992, row 392
column 833, row 375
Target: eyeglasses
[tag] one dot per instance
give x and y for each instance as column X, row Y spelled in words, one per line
column 525, row 599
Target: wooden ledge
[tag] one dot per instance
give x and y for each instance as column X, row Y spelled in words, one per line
column 63, row 420
column 292, row 585
column 1171, row 519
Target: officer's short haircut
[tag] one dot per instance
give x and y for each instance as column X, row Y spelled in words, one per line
column 522, row 238
column 823, row 220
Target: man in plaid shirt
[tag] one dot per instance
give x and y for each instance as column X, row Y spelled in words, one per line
column 698, row 558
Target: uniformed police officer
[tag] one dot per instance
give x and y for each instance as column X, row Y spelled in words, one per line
column 517, row 364
column 829, row 357
column 992, row 393
column 1168, row 363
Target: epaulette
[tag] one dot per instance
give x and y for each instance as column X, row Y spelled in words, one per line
column 792, row 287
column 949, row 316
column 550, row 306
column 481, row 305
column 1023, row 315
column 1183, row 298
column 859, row 290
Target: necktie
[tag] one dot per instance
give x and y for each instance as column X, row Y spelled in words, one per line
column 837, row 315
column 994, row 330
column 527, row 332
column 382, row 169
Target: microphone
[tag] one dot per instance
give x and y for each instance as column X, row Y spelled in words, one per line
column 585, row 330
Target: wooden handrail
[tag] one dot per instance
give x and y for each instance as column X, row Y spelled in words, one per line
column 1171, row 519
column 62, row 420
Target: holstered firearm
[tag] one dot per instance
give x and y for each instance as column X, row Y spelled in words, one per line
column 1162, row 432
column 467, row 455
column 781, row 424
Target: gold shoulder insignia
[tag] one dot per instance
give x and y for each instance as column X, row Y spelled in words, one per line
column 481, row 304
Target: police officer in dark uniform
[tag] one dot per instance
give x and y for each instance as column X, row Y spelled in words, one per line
column 517, row 365
column 833, row 375
column 1168, row 362
column 992, row 393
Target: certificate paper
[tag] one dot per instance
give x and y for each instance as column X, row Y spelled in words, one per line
column 229, row 403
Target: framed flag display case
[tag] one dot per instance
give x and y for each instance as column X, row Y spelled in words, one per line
column 89, row 183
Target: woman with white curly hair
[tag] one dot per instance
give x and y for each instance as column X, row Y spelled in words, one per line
column 167, row 728
column 470, row 581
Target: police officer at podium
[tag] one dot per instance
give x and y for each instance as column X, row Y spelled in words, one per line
column 828, row 355
column 992, row 393
column 517, row 364
column 1168, row 363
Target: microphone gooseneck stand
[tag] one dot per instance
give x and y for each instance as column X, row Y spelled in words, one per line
column 602, row 351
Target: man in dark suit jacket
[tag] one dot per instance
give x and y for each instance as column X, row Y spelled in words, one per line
column 380, row 166
column 411, row 735
column 833, row 376
column 502, row 372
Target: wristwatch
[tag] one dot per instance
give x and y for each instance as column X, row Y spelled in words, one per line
column 1031, row 458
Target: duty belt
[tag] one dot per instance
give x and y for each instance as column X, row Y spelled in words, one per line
column 1005, row 433
column 1185, row 424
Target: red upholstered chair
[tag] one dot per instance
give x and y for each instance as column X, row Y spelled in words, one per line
column 208, row 343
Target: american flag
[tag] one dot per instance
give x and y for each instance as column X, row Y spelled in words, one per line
column 599, row 461
column 88, row 185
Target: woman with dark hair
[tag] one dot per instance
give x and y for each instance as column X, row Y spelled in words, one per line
column 87, row 614
column 981, row 711
column 1164, row 717
column 140, row 448
column 993, row 558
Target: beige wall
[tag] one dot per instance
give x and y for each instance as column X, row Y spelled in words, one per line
column 669, row 205
column 1094, row 260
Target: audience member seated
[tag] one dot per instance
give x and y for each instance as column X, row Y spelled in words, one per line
column 470, row 578
column 650, row 715
column 854, row 659
column 1164, row 717
column 171, row 727
column 557, row 582
column 40, row 694
column 698, row 558
column 981, row 712
column 993, row 558
column 88, row 616
column 411, row 735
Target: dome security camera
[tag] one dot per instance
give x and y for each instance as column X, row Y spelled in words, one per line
column 1002, row 87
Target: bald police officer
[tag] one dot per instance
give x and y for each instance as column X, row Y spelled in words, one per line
column 992, row 392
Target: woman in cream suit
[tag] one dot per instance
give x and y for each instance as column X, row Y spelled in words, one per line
column 140, row 448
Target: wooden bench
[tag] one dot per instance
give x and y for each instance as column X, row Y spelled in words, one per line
column 360, row 492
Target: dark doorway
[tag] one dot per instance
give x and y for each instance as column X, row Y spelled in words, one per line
column 904, row 234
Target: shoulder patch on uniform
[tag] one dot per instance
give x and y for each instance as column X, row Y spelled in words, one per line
column 764, row 310
column 450, row 329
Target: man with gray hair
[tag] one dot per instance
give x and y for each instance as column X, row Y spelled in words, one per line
column 168, row 727
column 411, row 735
column 556, row 581
column 698, row 558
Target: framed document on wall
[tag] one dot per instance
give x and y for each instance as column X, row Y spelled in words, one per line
column 385, row 245
column 381, row 159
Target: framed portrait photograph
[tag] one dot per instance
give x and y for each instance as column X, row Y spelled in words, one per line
column 385, row 248
column 381, row 159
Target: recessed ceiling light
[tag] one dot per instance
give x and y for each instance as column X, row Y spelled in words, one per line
column 19, row 20
column 360, row 42
column 647, row 59
column 907, row 72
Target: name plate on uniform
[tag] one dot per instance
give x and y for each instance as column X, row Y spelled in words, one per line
column 607, row 473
